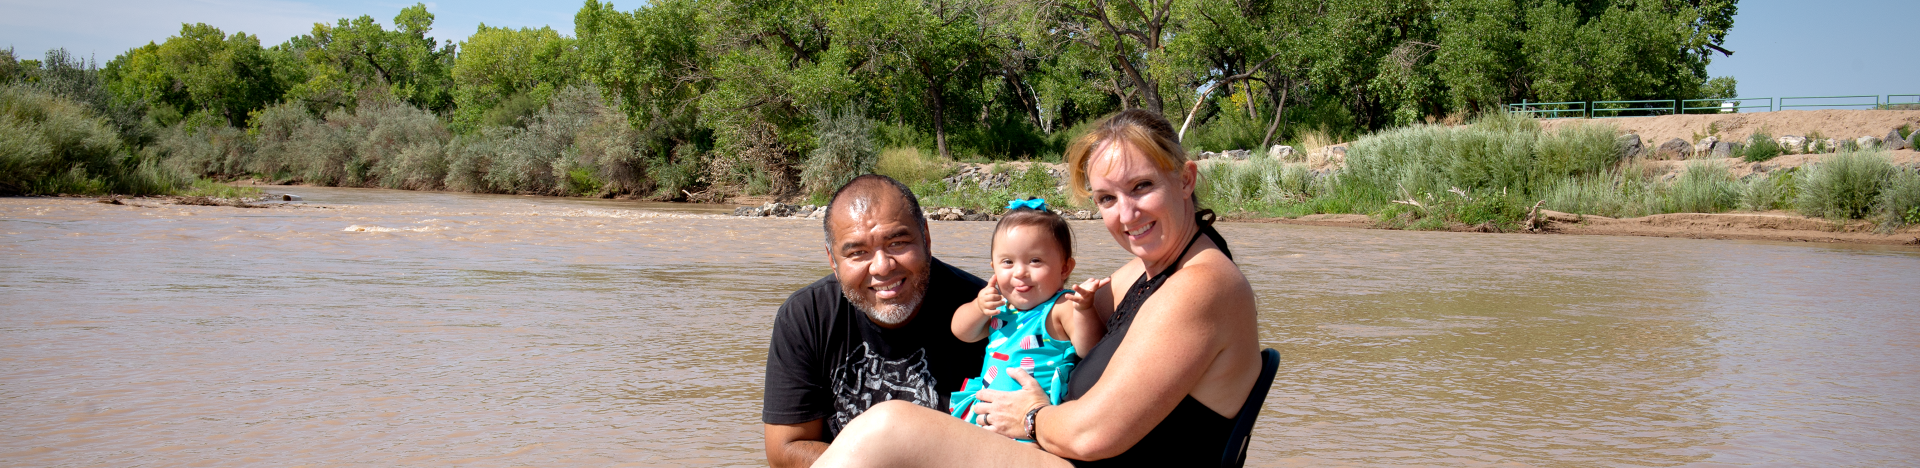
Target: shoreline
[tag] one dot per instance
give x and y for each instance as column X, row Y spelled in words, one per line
column 1767, row 226
column 1763, row 226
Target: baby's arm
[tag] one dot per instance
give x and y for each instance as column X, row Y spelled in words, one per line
column 970, row 320
column 1079, row 319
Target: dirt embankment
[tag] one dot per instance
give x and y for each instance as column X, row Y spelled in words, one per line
column 1848, row 124
column 1767, row 226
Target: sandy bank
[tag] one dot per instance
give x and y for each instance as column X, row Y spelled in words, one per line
column 1830, row 123
column 1770, row 226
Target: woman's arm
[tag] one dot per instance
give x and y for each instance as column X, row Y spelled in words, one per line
column 1177, row 345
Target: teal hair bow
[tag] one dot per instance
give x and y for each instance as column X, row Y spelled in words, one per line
column 1031, row 203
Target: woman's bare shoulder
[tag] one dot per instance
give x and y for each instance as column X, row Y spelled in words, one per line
column 1210, row 278
column 1124, row 277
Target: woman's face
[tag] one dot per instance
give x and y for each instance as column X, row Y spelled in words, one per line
column 1145, row 209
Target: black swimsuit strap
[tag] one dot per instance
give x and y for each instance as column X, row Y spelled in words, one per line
column 1148, row 284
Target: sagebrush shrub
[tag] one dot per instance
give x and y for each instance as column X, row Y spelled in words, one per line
column 843, row 149
column 1845, row 185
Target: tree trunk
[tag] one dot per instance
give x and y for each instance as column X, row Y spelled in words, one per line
column 939, row 123
column 1279, row 107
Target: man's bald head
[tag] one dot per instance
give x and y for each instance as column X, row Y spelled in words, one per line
column 869, row 192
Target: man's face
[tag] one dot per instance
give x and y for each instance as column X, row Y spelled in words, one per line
column 881, row 257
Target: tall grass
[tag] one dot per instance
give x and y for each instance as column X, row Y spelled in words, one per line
column 910, row 166
column 1900, row 202
column 1706, row 187
column 1776, row 191
column 1845, row 186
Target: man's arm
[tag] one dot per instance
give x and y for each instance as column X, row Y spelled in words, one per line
column 795, row 445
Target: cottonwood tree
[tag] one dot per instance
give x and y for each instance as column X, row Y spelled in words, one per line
column 652, row 62
column 350, row 55
column 502, row 75
column 201, row 70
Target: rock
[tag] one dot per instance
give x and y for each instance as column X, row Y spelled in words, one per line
column 1629, row 145
column 1725, row 149
column 1705, row 145
column 1893, row 140
column 1674, row 149
column 1866, row 142
column 1237, row 155
column 777, row 210
column 1280, row 152
column 974, row 217
column 819, row 212
column 289, row 197
column 1793, row 143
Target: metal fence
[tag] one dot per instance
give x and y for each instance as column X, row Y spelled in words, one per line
column 1645, row 108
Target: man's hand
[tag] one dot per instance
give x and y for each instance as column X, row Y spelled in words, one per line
column 795, row 445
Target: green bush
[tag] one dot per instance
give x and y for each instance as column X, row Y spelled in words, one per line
column 1773, row 192
column 50, row 144
column 1900, row 202
column 1845, row 185
column 1761, row 147
column 1706, row 187
column 1499, row 153
column 843, row 149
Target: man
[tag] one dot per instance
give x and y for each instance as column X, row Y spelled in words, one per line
column 876, row 329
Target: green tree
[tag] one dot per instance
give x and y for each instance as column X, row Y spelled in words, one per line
column 200, row 70
column 1127, row 36
column 773, row 63
column 496, row 65
column 930, row 58
column 351, row 55
column 653, row 63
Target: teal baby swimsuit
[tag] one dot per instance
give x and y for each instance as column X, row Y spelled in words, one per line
column 1020, row 340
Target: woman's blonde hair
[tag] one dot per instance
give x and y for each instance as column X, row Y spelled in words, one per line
column 1144, row 130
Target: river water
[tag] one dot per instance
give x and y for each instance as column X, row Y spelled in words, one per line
column 371, row 327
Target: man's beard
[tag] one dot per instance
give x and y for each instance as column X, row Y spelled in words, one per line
column 891, row 314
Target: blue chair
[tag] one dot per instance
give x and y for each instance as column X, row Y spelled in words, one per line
column 1236, row 455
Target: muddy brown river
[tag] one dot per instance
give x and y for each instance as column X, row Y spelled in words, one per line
column 384, row 328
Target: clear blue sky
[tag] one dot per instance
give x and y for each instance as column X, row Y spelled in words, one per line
column 1781, row 48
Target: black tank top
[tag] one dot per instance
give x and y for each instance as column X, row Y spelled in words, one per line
column 1193, row 434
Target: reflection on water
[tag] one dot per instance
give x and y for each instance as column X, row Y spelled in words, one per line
column 497, row 330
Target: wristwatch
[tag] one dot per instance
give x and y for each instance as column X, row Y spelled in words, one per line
column 1031, row 432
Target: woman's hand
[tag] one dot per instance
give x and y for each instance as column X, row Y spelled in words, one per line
column 1005, row 413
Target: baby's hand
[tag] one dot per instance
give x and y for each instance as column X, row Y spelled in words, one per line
column 1082, row 296
column 990, row 299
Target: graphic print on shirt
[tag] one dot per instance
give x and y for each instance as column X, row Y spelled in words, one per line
column 865, row 379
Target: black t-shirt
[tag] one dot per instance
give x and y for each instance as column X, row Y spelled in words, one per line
column 828, row 360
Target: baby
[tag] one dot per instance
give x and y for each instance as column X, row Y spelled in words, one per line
column 1032, row 254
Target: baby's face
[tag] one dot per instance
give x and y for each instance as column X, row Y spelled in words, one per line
column 1028, row 265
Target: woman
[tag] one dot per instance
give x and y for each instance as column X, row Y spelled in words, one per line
column 1179, row 358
